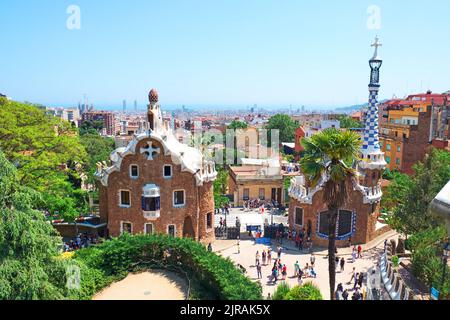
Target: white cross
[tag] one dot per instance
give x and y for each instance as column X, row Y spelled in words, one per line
column 149, row 151
column 376, row 44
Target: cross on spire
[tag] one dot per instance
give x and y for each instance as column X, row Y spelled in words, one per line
column 376, row 45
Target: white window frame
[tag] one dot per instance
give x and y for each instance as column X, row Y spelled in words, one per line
column 303, row 216
column 121, row 226
column 120, row 199
column 145, row 228
column 174, row 228
column 171, row 171
column 184, row 198
column 131, row 176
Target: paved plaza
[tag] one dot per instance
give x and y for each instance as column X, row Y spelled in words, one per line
column 252, row 217
column 290, row 255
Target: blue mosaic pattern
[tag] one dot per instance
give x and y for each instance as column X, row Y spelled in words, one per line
column 342, row 237
column 371, row 140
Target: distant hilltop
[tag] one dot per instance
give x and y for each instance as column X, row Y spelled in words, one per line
column 355, row 107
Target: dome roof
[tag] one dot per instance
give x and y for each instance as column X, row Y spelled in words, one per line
column 153, row 96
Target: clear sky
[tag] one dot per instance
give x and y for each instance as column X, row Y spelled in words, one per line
column 221, row 52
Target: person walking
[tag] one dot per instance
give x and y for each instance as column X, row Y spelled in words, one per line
column 353, row 255
column 300, row 244
column 355, row 279
column 353, row 273
column 300, row 277
column 269, row 255
column 360, row 280
column 342, row 263
column 279, row 252
column 284, row 271
column 264, row 257
column 359, row 251
column 258, row 271
column 312, row 259
column 296, row 268
column 345, row 295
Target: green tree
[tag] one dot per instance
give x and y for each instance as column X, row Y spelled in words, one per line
column 307, row 291
column 40, row 146
column 348, row 122
column 329, row 152
column 285, row 125
column 91, row 127
column 28, row 244
column 236, row 124
column 98, row 149
column 410, row 197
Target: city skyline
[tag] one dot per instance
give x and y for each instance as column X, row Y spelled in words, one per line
column 234, row 54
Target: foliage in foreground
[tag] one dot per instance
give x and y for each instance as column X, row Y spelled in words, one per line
column 408, row 197
column 28, row 244
column 307, row 291
column 211, row 276
column 427, row 247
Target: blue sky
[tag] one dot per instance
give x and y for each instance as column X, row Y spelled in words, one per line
column 221, row 52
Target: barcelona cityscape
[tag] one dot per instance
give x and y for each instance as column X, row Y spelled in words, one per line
column 249, row 151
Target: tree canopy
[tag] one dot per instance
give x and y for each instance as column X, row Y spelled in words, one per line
column 408, row 197
column 28, row 244
column 348, row 122
column 236, row 124
column 285, row 125
column 331, row 152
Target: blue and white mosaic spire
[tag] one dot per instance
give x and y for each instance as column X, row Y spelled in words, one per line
column 371, row 141
column 371, row 151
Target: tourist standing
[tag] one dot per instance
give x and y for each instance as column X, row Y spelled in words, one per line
column 210, row 247
column 264, row 257
column 269, row 255
column 312, row 259
column 353, row 255
column 296, row 268
column 258, row 271
column 345, row 294
column 284, row 271
column 359, row 251
column 360, row 279
column 342, row 264
column 279, row 252
column 257, row 258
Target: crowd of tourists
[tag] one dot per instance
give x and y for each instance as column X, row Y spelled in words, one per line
column 82, row 240
column 279, row 270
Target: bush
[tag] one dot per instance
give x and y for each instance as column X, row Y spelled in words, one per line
column 307, row 291
column 395, row 261
column 212, row 276
column 281, row 291
column 426, row 247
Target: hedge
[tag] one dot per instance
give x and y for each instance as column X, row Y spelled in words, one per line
column 210, row 275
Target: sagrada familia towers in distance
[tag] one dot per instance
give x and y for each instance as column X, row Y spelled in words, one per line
column 358, row 218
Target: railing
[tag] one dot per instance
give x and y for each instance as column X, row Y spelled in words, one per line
column 393, row 282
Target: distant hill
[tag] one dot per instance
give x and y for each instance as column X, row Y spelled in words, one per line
column 355, row 107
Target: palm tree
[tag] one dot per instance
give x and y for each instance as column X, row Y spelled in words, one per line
column 330, row 154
